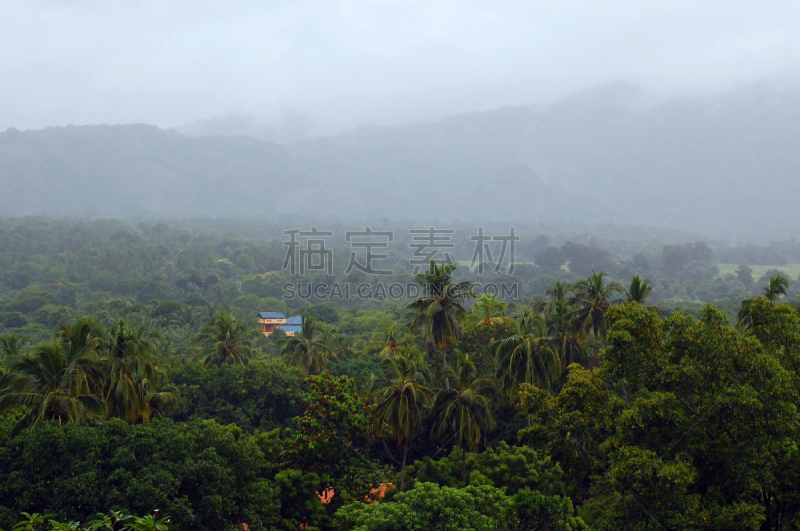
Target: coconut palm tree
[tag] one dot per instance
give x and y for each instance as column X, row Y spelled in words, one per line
column 389, row 337
column 51, row 383
column 530, row 356
column 128, row 363
column 776, row 289
column 639, row 290
column 226, row 340
column 440, row 307
column 488, row 310
column 186, row 316
column 560, row 290
column 308, row 348
column 591, row 299
column 562, row 328
column 400, row 399
column 464, row 408
column 157, row 397
column 82, row 337
column 11, row 345
column 338, row 345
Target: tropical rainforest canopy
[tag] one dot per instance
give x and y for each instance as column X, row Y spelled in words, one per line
column 138, row 392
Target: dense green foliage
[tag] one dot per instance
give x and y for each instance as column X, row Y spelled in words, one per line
column 588, row 402
column 705, row 435
column 199, row 473
column 261, row 395
column 512, row 467
column 472, row 508
column 328, row 436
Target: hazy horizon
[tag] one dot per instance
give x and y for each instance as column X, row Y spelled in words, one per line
column 667, row 115
column 334, row 67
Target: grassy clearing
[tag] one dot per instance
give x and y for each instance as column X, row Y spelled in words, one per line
column 791, row 270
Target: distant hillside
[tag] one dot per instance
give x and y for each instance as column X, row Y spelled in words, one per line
column 596, row 158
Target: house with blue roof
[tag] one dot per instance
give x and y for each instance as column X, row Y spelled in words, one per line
column 270, row 321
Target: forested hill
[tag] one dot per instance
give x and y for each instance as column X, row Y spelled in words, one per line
column 595, row 157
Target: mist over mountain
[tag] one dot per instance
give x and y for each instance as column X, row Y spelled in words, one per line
column 722, row 165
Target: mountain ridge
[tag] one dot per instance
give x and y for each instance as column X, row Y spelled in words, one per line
column 595, row 158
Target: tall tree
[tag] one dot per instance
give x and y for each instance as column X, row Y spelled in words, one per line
column 440, row 307
column 591, row 299
column 778, row 284
column 158, row 395
column 389, row 337
column 83, row 337
column 51, row 383
column 400, row 399
column 464, row 408
column 128, row 363
column 777, row 288
column 308, row 348
column 338, row 345
column 529, row 356
column 558, row 291
column 488, row 310
column 225, row 340
column 562, row 328
column 331, row 436
column 639, row 290
column 550, row 257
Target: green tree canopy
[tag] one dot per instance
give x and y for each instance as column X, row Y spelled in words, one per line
column 330, row 436
column 400, row 399
column 529, row 356
column 439, row 310
column 464, row 408
column 308, row 349
column 225, row 340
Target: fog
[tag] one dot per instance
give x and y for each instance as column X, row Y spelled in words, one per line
column 343, row 64
column 561, row 112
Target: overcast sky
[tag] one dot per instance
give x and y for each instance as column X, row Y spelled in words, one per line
column 385, row 62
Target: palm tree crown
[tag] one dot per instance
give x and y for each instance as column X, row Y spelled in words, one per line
column 592, row 298
column 530, row 355
column 226, row 340
column 400, row 399
column 81, row 372
column 488, row 310
column 308, row 348
column 559, row 291
column 777, row 288
column 464, row 408
column 51, row 383
column 128, row 363
column 83, row 337
column 388, row 337
column 11, row 345
column 639, row 290
column 563, row 329
column 440, row 308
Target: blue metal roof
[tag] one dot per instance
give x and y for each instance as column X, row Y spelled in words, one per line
column 291, row 328
column 294, row 320
column 271, row 315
